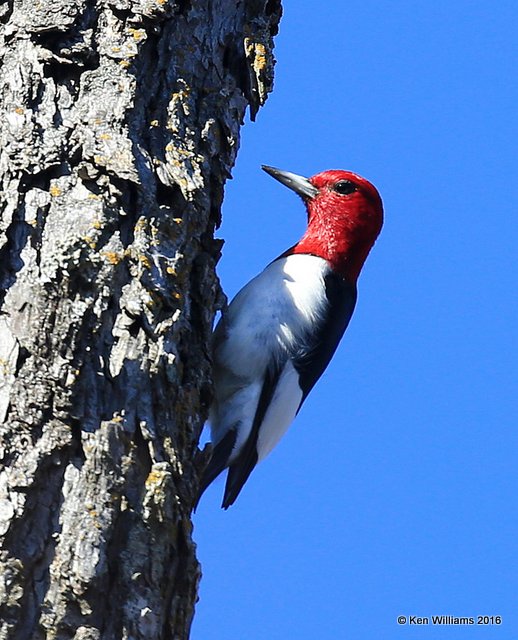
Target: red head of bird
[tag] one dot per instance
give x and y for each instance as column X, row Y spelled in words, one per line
column 345, row 216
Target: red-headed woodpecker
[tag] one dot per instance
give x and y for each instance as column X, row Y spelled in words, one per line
column 279, row 333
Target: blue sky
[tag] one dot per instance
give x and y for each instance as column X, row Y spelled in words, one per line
column 394, row 492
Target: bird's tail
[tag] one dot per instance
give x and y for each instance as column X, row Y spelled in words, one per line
column 235, row 482
column 218, row 462
column 238, row 473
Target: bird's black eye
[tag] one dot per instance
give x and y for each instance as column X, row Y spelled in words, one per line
column 344, row 187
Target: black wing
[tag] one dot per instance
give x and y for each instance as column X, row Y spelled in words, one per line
column 312, row 361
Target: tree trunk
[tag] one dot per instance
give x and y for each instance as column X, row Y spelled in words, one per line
column 119, row 125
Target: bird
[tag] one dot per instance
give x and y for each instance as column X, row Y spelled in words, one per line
column 279, row 333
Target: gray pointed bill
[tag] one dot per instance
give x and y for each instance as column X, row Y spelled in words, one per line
column 302, row 186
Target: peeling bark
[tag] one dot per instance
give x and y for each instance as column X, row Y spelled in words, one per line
column 119, row 126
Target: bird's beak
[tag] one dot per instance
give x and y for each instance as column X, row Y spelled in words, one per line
column 296, row 183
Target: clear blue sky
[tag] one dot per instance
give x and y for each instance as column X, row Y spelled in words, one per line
column 395, row 490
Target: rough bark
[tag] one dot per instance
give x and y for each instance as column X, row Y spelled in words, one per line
column 119, row 125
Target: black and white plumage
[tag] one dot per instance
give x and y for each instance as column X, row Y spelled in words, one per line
column 271, row 346
column 273, row 343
